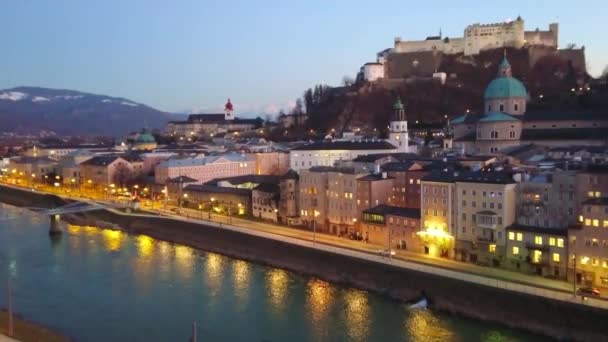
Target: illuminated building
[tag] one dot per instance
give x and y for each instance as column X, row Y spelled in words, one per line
column 536, row 250
column 485, row 206
column 392, row 226
column 588, row 245
column 437, row 214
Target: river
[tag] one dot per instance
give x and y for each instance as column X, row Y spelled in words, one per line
column 103, row 285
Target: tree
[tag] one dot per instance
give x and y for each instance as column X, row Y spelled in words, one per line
column 347, row 81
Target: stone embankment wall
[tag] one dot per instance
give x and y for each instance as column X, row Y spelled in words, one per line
column 567, row 321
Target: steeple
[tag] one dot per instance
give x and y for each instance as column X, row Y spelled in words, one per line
column 228, row 110
column 504, row 69
column 399, row 111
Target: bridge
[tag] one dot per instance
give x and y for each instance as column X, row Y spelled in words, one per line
column 72, row 208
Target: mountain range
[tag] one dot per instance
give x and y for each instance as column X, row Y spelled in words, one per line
column 69, row 112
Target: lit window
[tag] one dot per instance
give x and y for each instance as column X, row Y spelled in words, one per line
column 536, row 256
column 555, row 257
column 596, row 223
column 560, row 242
column 594, row 262
column 515, row 250
column 411, row 181
column 590, row 194
column 520, row 237
column 538, row 240
column 587, row 222
column 511, row 236
column 551, row 241
column 584, row 260
column 605, row 263
column 580, row 218
column 598, row 194
column 492, row 248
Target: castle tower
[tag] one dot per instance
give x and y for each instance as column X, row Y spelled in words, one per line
column 398, row 134
column 228, row 111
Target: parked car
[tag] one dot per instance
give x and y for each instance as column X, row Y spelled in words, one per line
column 589, row 291
column 386, row 252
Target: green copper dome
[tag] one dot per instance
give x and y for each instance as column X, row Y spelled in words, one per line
column 398, row 104
column 505, row 87
column 145, row 138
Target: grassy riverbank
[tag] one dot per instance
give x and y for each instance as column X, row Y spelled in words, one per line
column 29, row 332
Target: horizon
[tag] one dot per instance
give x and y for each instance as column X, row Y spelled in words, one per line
column 193, row 57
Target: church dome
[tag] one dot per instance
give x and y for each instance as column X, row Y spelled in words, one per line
column 145, row 138
column 505, row 87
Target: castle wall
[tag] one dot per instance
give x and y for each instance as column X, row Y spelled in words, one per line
column 482, row 37
column 565, row 124
column 373, row 71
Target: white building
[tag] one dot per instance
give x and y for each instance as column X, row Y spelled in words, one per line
column 373, row 71
column 326, row 153
column 398, row 135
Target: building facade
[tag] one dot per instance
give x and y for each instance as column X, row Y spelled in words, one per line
column 204, row 169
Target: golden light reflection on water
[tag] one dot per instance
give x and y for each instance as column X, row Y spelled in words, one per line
column 240, row 274
column 184, row 260
column 112, row 239
column 424, row 325
column 356, row 312
column 213, row 268
column 277, row 283
column 145, row 246
column 320, row 297
column 90, row 230
column 74, row 230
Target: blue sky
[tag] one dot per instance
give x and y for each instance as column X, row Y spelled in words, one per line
column 193, row 54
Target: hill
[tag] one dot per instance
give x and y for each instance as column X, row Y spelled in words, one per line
column 549, row 80
column 69, row 112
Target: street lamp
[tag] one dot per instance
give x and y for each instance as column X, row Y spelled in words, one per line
column 314, row 226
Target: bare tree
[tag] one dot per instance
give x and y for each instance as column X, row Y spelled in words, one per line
column 347, row 81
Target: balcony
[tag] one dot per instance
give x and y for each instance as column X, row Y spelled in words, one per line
column 532, row 246
column 486, row 239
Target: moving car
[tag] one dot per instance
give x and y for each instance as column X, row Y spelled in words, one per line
column 589, row 291
column 386, row 252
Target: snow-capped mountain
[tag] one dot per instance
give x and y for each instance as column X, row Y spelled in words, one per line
column 31, row 109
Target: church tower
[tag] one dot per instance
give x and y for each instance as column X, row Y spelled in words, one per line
column 398, row 134
column 228, row 111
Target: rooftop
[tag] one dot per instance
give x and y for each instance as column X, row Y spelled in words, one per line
column 592, row 133
column 101, row 160
column 346, row 145
column 596, row 201
column 212, row 189
column 497, row 116
column 538, row 230
column 237, row 180
column 373, row 177
column 267, row 187
column 383, row 209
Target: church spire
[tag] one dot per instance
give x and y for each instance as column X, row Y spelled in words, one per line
column 399, row 110
column 504, row 69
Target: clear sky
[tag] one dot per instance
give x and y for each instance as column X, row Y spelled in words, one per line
column 193, row 54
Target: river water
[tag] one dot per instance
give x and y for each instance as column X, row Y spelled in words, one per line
column 102, row 285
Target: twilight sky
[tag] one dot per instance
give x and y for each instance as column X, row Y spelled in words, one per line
column 193, row 54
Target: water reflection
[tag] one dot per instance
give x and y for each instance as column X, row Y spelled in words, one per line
column 145, row 245
column 276, row 283
column 424, row 325
column 240, row 275
column 356, row 312
column 112, row 239
column 184, row 260
column 320, row 297
column 214, row 271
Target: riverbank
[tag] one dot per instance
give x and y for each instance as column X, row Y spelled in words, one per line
column 25, row 331
column 558, row 319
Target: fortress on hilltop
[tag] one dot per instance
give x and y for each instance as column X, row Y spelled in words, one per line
column 423, row 57
column 478, row 37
